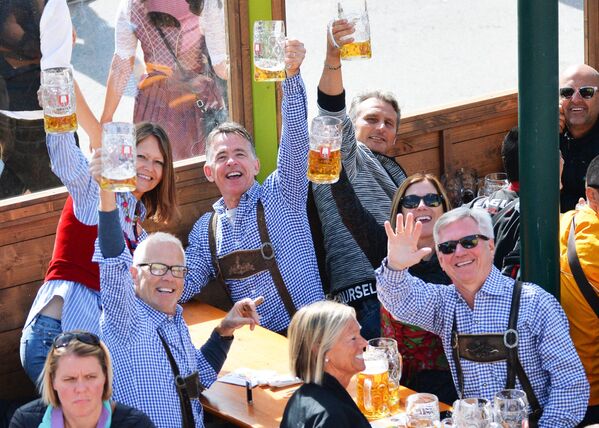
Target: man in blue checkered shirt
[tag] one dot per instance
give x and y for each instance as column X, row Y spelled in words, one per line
column 479, row 302
column 239, row 248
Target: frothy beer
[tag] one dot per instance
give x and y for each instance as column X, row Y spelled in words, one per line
column 269, row 71
column 60, row 124
column 324, row 165
column 373, row 392
column 118, row 184
column 356, row 50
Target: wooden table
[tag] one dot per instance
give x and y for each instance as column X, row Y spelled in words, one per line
column 259, row 349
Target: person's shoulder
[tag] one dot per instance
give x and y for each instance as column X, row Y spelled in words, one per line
column 125, row 416
column 29, row 414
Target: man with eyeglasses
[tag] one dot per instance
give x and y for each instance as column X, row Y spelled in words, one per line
column 157, row 369
column 579, row 127
column 500, row 333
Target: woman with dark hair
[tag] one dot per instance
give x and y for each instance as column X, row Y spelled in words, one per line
column 69, row 299
column 425, row 366
column 76, row 388
column 179, row 89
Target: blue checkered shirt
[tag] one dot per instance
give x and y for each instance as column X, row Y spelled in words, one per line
column 545, row 348
column 81, row 308
column 143, row 377
column 283, row 196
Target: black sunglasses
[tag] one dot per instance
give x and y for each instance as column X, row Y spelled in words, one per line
column 63, row 339
column 160, row 269
column 467, row 242
column 585, row 92
column 412, row 201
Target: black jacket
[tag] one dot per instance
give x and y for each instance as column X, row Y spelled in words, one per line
column 31, row 415
column 323, row 406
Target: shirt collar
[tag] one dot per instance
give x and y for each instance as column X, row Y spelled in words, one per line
column 495, row 284
column 159, row 318
column 248, row 199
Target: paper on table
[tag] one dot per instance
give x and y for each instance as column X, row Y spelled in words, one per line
column 395, row 421
column 258, row 377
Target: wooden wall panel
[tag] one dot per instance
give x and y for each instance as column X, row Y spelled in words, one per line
column 591, row 33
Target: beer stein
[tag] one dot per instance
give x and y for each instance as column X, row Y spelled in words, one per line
column 58, row 100
column 269, row 51
column 472, row 413
column 493, row 182
column 510, row 408
column 389, row 347
column 356, row 12
column 422, row 410
column 119, row 170
column 324, row 157
column 373, row 385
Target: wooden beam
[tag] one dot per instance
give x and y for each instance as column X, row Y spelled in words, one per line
column 591, row 33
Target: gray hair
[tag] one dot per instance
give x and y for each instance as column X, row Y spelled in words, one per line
column 313, row 331
column 480, row 216
column 139, row 256
column 387, row 97
column 227, row 128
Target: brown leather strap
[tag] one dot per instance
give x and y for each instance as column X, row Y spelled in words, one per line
column 212, row 243
column 585, row 287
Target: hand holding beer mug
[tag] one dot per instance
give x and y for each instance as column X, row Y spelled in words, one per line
column 373, row 385
column 355, row 12
column 119, row 173
column 389, row 347
column 58, row 100
column 269, row 51
column 422, row 410
column 324, row 157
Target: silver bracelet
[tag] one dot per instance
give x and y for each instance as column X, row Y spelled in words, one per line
column 332, row 67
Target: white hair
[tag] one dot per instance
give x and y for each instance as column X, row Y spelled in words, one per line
column 155, row 238
column 480, row 216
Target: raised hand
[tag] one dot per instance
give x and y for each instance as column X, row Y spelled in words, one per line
column 562, row 118
column 242, row 313
column 295, row 52
column 402, row 243
column 339, row 34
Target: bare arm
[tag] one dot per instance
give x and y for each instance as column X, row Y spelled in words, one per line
column 88, row 121
column 120, row 70
column 331, row 80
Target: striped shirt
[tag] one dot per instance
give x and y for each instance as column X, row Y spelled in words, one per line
column 81, row 307
column 375, row 179
column 545, row 348
column 283, row 195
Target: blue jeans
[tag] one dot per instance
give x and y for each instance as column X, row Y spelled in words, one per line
column 368, row 313
column 36, row 342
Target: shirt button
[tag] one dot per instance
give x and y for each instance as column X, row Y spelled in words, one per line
column 484, row 385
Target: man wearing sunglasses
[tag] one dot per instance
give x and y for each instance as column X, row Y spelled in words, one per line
column 500, row 334
column 579, row 139
column 157, row 369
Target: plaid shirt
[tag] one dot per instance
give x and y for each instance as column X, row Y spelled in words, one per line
column 143, row 377
column 283, row 196
column 545, row 348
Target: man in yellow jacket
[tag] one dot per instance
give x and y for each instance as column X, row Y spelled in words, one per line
column 584, row 320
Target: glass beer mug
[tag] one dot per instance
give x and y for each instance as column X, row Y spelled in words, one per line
column 58, row 100
column 373, row 385
column 324, row 157
column 394, row 359
column 269, row 51
column 422, row 410
column 119, row 172
column 356, row 12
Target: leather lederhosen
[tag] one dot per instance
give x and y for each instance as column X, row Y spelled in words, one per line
column 491, row 347
column 242, row 264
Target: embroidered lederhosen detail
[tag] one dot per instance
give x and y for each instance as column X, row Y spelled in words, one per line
column 491, row 347
column 242, row 264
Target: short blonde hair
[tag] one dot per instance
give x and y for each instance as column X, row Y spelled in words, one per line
column 313, row 331
column 79, row 349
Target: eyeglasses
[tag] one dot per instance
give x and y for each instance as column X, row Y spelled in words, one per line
column 585, row 92
column 63, row 339
column 160, row 269
column 466, row 242
column 412, row 201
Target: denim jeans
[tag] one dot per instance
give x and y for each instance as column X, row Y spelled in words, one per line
column 368, row 313
column 36, row 342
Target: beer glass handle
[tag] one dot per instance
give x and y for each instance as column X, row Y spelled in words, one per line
column 330, row 28
column 368, row 394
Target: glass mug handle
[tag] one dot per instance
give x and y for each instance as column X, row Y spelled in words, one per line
column 368, row 395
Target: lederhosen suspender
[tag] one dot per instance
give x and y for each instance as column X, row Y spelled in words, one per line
column 490, row 347
column 581, row 280
column 242, row 264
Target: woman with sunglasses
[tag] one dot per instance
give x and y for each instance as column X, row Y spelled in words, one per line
column 425, row 366
column 69, row 299
column 76, row 388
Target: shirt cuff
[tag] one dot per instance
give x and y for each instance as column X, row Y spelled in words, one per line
column 331, row 103
column 293, row 85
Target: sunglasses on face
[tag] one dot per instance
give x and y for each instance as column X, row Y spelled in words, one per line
column 585, row 92
column 63, row 339
column 412, row 201
column 466, row 242
column 160, row 269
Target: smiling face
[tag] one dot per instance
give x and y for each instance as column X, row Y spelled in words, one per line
column 468, row 269
column 428, row 216
column 233, row 167
column 79, row 384
column 160, row 292
column 345, row 356
column 150, row 163
column 376, row 124
column 580, row 113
